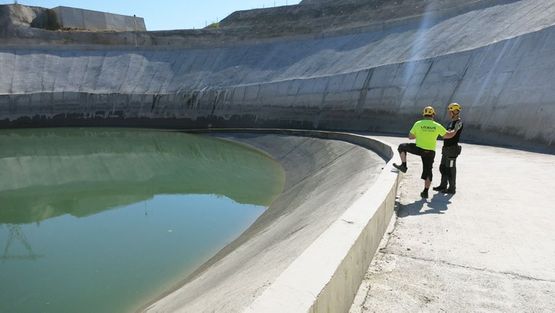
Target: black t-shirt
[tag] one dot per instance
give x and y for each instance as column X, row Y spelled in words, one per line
column 457, row 126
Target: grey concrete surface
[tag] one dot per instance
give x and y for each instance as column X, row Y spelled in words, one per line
column 96, row 21
column 325, row 276
column 496, row 61
column 488, row 248
column 323, row 178
column 26, row 17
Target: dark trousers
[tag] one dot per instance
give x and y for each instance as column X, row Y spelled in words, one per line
column 426, row 155
column 448, row 166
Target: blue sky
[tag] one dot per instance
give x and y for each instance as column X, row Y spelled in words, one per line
column 165, row 14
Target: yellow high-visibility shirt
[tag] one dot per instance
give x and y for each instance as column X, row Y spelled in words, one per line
column 426, row 132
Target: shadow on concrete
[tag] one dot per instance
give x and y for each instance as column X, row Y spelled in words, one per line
column 438, row 204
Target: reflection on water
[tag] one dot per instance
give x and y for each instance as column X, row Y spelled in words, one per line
column 15, row 233
column 46, row 173
column 100, row 220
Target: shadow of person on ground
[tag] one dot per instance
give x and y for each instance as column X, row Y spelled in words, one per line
column 438, row 204
column 410, row 209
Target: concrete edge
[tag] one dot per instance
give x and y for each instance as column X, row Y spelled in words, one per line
column 382, row 148
column 327, row 275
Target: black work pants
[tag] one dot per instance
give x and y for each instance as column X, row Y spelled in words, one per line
column 448, row 165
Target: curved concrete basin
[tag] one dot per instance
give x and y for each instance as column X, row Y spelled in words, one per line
column 311, row 246
column 310, row 249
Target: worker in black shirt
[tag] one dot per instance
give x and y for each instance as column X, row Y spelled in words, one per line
column 450, row 151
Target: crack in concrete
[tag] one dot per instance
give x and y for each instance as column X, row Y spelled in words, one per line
column 516, row 275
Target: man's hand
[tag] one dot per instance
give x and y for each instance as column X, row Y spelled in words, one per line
column 412, row 136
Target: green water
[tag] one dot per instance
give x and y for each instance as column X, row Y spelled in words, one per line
column 104, row 220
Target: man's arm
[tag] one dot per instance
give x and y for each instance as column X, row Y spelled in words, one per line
column 453, row 132
column 450, row 134
column 412, row 136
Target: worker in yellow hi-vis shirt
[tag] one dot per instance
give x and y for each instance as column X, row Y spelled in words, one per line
column 425, row 131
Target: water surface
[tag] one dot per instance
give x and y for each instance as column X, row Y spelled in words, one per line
column 103, row 220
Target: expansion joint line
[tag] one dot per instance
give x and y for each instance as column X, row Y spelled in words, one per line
column 520, row 276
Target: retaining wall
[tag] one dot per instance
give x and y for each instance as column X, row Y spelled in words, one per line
column 496, row 61
column 94, row 20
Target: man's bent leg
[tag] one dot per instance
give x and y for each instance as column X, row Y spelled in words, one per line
column 403, row 149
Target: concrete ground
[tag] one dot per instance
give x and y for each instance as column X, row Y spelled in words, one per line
column 488, row 248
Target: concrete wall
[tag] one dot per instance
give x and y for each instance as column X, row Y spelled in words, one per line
column 496, row 61
column 97, row 21
column 327, row 275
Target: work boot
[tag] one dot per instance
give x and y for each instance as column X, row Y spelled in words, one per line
column 424, row 194
column 402, row 168
column 440, row 188
column 449, row 190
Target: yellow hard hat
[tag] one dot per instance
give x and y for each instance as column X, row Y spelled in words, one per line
column 454, row 107
column 428, row 111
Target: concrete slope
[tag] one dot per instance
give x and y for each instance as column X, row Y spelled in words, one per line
column 109, row 70
column 323, row 178
column 497, row 61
